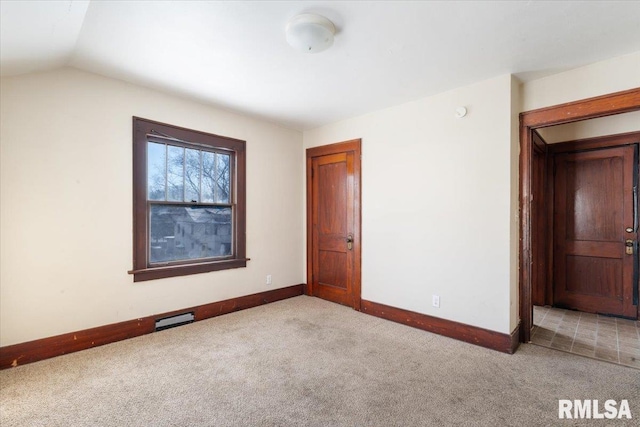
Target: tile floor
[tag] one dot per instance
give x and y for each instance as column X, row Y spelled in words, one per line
column 592, row 335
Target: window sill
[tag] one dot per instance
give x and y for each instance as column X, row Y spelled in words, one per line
column 186, row 269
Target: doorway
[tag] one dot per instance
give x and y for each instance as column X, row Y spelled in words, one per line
column 584, row 281
column 333, row 223
column 585, row 225
column 617, row 103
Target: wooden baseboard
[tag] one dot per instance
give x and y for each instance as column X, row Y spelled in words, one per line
column 515, row 338
column 506, row 343
column 33, row 351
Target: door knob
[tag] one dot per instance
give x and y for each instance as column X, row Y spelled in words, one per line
column 628, row 246
column 350, row 241
column 629, row 230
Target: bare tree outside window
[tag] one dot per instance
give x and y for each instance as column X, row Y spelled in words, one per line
column 188, row 175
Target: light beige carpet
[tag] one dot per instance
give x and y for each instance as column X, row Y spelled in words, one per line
column 306, row 362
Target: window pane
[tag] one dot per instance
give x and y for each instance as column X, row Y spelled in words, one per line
column 156, row 171
column 208, row 185
column 222, row 178
column 175, row 175
column 185, row 233
column 192, row 176
column 216, row 181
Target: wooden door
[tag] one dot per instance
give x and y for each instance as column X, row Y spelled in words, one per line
column 333, row 221
column 593, row 217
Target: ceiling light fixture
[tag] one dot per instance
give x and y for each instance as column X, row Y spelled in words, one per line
column 310, row 33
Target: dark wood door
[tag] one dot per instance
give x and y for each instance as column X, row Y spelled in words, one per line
column 334, row 244
column 593, row 217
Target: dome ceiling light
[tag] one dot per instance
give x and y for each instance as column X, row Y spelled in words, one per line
column 310, row 33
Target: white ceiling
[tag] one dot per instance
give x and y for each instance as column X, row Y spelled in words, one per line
column 233, row 54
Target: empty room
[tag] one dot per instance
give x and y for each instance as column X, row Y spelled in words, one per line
column 319, row 213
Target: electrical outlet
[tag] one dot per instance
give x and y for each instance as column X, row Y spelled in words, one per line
column 436, row 301
column 268, row 279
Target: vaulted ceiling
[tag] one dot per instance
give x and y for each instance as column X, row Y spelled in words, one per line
column 233, row 54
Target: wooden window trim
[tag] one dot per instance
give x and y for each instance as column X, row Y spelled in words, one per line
column 141, row 270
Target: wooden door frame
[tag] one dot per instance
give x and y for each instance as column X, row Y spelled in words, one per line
column 544, row 236
column 354, row 146
column 590, row 108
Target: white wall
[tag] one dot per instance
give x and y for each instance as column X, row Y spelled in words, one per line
column 66, row 205
column 514, row 260
column 600, row 78
column 609, row 125
column 436, row 203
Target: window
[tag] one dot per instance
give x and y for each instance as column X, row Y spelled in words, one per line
column 188, row 201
